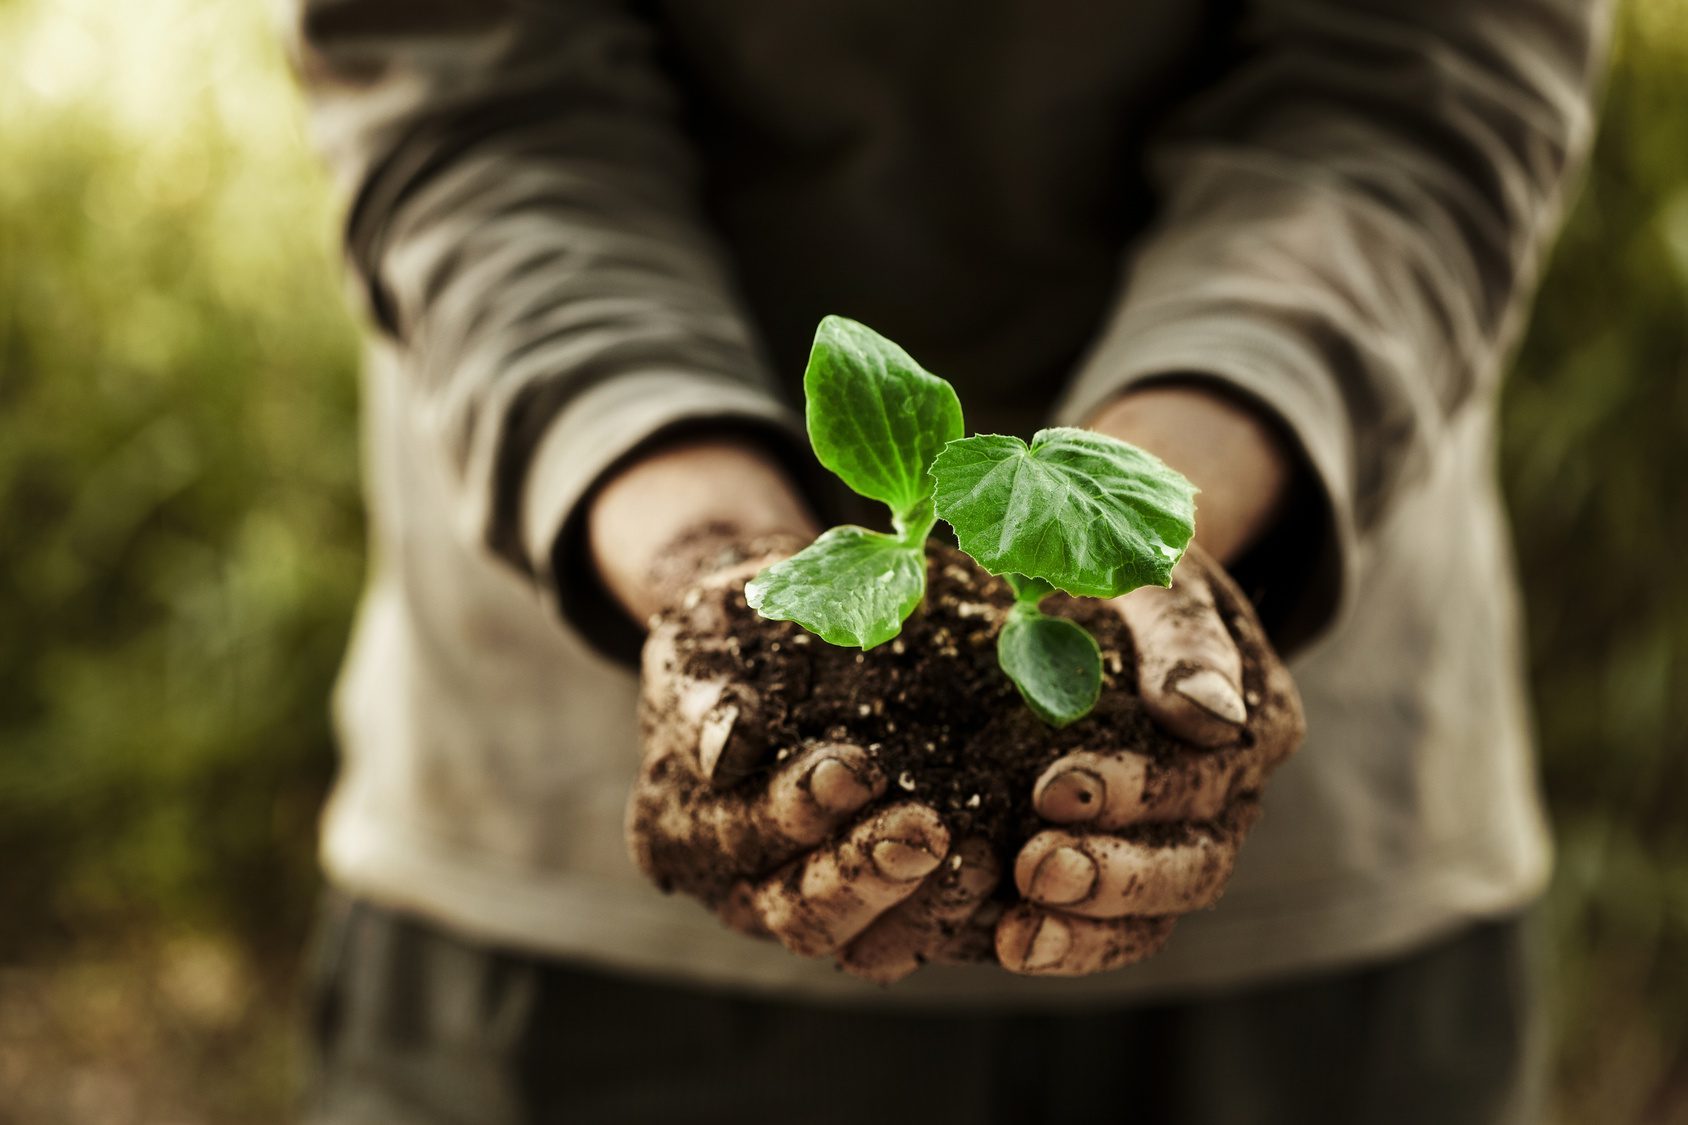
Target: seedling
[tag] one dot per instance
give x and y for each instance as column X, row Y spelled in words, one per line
column 1074, row 511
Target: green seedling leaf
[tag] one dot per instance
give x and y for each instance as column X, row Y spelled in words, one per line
column 1088, row 514
column 1053, row 661
column 851, row 587
column 877, row 418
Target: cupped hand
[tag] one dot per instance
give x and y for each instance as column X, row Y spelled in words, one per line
column 1137, row 841
column 815, row 857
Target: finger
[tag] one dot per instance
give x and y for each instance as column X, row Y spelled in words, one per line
column 1036, row 941
column 716, row 726
column 1278, row 725
column 811, row 796
column 1275, row 721
column 732, row 732
column 719, row 724
column 918, row 928
column 1189, row 672
column 1101, row 876
column 975, row 942
column 688, row 836
column 816, row 792
column 737, row 911
column 827, row 897
column 1106, row 791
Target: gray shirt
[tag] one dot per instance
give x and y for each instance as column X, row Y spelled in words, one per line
column 580, row 226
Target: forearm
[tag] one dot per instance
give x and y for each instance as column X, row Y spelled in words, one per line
column 1234, row 454
column 526, row 222
column 652, row 503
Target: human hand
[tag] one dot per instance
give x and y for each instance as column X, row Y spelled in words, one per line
column 806, row 852
column 1142, row 840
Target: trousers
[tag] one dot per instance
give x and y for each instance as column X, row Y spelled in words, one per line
column 411, row 1024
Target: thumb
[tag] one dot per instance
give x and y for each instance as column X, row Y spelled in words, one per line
column 1189, row 671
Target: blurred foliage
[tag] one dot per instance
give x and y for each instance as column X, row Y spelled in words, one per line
column 1595, row 455
column 181, row 545
column 179, row 514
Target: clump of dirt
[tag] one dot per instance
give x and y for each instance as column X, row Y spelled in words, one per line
column 932, row 706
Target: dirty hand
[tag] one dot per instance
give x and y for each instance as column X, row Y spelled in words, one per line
column 1096, row 895
column 808, row 855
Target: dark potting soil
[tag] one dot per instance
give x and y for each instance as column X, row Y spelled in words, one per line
column 932, row 706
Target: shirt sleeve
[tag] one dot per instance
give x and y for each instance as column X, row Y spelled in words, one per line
column 1350, row 218
column 525, row 226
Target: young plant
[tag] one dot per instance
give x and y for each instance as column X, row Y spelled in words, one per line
column 1074, row 511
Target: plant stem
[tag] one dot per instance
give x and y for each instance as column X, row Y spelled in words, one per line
column 1028, row 592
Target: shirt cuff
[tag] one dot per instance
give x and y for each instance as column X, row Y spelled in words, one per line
column 602, row 429
column 1268, row 367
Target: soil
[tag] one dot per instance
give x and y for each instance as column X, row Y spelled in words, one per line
column 933, row 707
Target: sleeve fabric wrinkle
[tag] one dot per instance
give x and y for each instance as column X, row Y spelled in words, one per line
column 1351, row 221
column 525, row 228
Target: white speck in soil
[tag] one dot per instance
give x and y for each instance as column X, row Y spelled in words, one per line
column 864, row 709
column 1253, row 698
column 973, row 801
column 906, row 781
column 693, row 597
column 873, row 747
column 898, row 647
column 800, row 639
column 955, row 862
column 860, row 658
column 783, row 754
column 931, row 747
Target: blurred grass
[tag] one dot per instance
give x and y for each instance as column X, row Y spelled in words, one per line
column 180, row 548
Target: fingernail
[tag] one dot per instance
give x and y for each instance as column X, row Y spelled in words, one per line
column 1214, row 694
column 901, row 861
column 836, row 787
column 1072, row 796
column 1066, row 875
column 713, row 732
column 1049, row 944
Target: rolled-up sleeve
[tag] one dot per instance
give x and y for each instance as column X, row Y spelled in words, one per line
column 525, row 226
column 1350, row 219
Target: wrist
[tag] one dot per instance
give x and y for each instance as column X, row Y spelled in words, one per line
column 686, row 491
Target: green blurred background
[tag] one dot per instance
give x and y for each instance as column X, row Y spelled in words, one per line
column 180, row 549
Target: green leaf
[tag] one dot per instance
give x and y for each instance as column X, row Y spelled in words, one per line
column 1053, row 661
column 876, row 417
column 1086, row 513
column 851, row 587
